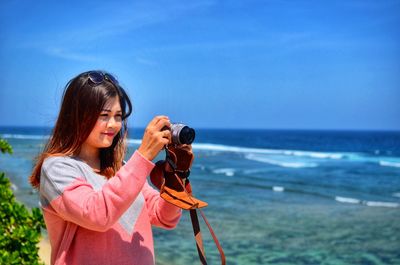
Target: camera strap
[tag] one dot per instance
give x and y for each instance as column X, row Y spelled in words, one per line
column 199, row 239
column 175, row 188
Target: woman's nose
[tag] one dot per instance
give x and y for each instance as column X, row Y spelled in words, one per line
column 111, row 122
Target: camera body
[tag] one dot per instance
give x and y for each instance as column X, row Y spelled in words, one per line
column 182, row 134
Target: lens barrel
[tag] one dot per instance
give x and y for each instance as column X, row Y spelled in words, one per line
column 182, row 134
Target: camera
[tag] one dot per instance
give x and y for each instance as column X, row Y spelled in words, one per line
column 182, row 134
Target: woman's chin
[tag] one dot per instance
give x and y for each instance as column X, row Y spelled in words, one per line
column 106, row 144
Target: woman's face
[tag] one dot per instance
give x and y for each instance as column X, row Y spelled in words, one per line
column 107, row 126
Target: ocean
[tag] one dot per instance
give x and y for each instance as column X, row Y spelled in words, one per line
column 275, row 197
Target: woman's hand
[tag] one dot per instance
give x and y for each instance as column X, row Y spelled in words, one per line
column 186, row 147
column 155, row 137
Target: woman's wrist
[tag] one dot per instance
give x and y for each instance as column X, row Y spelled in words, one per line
column 144, row 154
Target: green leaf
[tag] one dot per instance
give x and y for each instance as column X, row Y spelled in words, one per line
column 5, row 147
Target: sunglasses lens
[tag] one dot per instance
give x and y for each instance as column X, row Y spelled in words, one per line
column 112, row 79
column 96, row 77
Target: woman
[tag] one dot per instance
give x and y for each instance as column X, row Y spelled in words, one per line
column 97, row 210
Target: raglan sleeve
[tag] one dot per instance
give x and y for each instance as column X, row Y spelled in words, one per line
column 75, row 200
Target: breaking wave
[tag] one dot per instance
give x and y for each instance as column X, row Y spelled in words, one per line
column 288, row 164
column 227, row 171
column 389, row 163
column 367, row 203
column 24, row 136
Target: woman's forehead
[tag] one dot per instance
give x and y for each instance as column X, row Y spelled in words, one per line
column 112, row 103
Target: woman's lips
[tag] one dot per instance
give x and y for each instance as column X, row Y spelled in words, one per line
column 111, row 134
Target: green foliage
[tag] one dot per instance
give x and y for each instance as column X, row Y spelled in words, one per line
column 5, row 147
column 20, row 230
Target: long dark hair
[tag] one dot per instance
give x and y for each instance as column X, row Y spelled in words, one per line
column 81, row 106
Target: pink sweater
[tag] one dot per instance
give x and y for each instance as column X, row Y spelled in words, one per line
column 92, row 220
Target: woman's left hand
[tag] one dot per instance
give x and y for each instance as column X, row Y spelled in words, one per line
column 186, row 147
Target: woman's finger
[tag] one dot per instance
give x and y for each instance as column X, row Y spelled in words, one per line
column 166, row 134
column 186, row 147
column 161, row 124
column 156, row 120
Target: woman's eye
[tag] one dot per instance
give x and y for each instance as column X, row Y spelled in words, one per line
column 107, row 116
column 103, row 116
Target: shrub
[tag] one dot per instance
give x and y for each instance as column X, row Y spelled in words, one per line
column 20, row 230
column 5, row 147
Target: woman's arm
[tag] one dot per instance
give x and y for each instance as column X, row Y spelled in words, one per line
column 75, row 200
column 162, row 213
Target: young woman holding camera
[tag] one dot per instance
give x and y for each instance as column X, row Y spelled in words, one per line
column 97, row 209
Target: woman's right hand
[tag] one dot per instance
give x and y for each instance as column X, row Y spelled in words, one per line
column 155, row 137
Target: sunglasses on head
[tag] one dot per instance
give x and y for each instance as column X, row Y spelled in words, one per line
column 97, row 77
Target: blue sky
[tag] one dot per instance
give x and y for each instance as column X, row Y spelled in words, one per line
column 220, row 64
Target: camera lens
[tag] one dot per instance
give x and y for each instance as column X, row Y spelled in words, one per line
column 187, row 135
column 182, row 134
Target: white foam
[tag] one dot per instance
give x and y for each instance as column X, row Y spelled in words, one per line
column 287, row 164
column 389, row 163
column 311, row 155
column 347, row 200
column 319, row 155
column 227, row 171
column 24, row 136
column 382, row 204
column 134, row 141
column 236, row 149
column 278, row 189
column 367, row 203
column 253, row 171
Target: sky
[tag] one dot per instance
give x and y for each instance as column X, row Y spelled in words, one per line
column 269, row 64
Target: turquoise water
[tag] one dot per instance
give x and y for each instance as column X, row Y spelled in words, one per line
column 282, row 233
column 275, row 197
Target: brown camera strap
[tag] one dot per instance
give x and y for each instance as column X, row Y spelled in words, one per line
column 185, row 200
column 199, row 239
column 197, row 233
